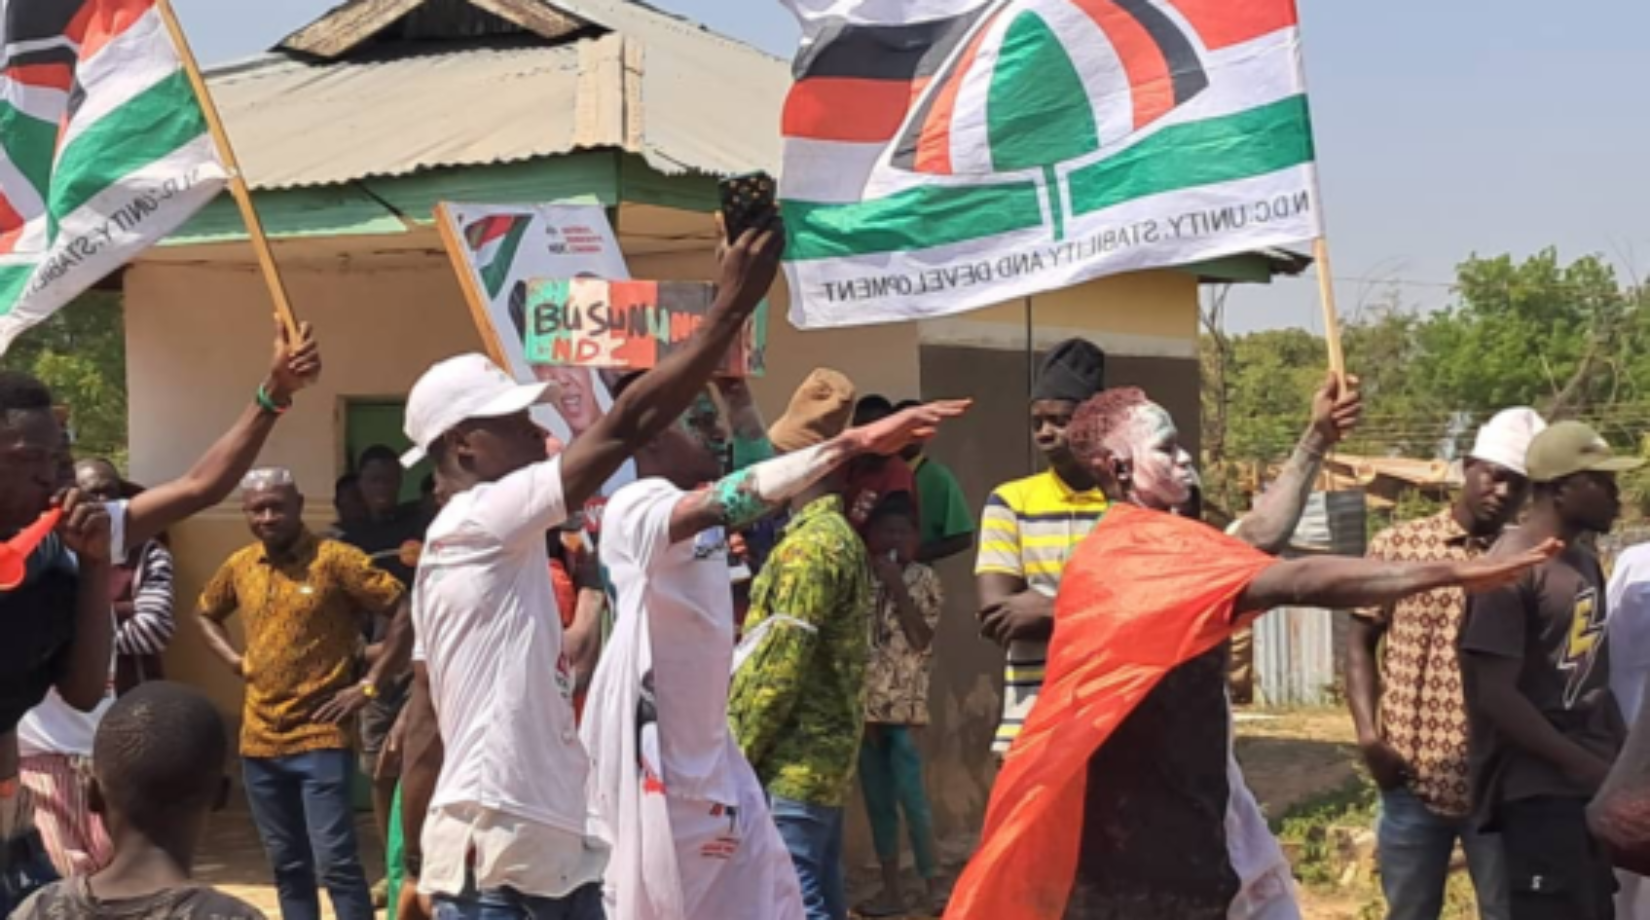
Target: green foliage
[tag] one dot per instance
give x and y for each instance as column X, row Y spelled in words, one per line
column 81, row 354
column 1569, row 339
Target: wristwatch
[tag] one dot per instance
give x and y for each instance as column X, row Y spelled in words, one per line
column 369, row 689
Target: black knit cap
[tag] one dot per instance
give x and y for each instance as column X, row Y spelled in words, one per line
column 1072, row 371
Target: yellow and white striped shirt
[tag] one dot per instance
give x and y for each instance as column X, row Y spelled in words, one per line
column 1029, row 530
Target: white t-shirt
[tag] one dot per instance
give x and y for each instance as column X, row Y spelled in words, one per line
column 692, row 835
column 486, row 622
column 55, row 727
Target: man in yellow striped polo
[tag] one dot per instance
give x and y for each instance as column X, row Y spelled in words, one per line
column 1032, row 526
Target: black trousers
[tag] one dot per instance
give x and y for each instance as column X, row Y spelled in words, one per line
column 1556, row 869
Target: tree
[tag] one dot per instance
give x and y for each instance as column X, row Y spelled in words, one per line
column 80, row 353
column 1568, row 339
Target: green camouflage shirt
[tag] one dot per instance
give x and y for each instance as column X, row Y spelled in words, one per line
column 798, row 702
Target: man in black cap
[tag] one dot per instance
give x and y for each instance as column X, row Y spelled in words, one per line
column 1031, row 527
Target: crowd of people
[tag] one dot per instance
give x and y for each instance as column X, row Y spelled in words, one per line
column 666, row 720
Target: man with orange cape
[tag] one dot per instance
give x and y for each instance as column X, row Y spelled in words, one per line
column 1132, row 734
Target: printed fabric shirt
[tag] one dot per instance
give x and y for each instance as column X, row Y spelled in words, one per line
column 303, row 625
column 897, row 680
column 1029, row 530
column 73, row 900
column 797, row 706
column 1423, row 709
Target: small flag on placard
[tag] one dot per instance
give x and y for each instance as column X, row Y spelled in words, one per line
column 944, row 155
column 104, row 149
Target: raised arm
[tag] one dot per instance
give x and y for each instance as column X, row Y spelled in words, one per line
column 658, row 397
column 745, row 497
column 1277, row 512
column 220, row 469
column 1340, row 584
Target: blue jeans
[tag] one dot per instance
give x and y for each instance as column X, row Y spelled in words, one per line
column 890, row 776
column 24, row 869
column 813, row 835
column 305, row 814
column 1415, row 847
column 506, row 904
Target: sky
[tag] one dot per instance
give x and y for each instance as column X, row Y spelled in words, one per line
column 1442, row 133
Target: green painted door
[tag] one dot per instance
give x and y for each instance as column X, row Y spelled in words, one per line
column 380, row 421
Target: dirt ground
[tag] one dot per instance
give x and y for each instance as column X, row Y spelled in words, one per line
column 1288, row 758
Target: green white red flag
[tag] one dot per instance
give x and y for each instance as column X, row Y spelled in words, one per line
column 103, row 148
column 944, row 155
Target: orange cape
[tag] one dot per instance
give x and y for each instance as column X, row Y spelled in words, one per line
column 1145, row 593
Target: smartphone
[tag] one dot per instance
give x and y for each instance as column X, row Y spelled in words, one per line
column 745, row 201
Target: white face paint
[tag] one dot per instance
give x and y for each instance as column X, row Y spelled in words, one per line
column 1161, row 472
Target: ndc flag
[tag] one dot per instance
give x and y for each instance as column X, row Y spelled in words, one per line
column 944, row 155
column 104, row 149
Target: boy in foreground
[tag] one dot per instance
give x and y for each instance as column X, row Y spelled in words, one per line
column 158, row 770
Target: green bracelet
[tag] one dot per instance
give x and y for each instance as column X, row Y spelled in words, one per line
column 268, row 403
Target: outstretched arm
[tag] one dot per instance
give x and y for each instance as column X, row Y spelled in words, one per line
column 220, row 469
column 1340, row 584
column 658, row 397
column 745, row 497
column 1277, row 512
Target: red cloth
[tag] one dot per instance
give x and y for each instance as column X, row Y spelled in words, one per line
column 567, row 604
column 1143, row 594
column 869, row 485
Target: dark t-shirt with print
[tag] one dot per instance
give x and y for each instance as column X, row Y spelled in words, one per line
column 39, row 618
column 1552, row 620
column 74, row 900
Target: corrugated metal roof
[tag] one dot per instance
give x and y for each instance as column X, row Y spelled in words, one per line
column 683, row 97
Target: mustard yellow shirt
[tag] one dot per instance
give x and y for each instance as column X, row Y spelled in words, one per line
column 304, row 615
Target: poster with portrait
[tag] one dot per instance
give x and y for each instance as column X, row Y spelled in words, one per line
column 496, row 251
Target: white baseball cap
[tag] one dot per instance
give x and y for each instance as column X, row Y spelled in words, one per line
column 462, row 388
column 1505, row 439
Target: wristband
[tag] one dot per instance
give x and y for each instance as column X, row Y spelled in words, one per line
column 268, row 403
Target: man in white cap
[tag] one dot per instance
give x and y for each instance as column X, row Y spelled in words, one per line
column 1407, row 699
column 506, row 831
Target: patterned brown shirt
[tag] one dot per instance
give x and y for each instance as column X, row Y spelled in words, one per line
column 304, row 616
column 1423, row 710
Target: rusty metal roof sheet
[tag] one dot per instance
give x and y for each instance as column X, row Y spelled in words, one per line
column 684, row 98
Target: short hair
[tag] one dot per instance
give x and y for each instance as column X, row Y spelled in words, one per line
column 379, row 453
column 1099, row 417
column 159, row 750
column 268, row 477
column 20, row 392
column 100, row 464
column 871, row 408
column 904, row 404
column 346, row 481
column 893, row 506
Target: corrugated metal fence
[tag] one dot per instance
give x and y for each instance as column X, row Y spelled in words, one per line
column 1298, row 650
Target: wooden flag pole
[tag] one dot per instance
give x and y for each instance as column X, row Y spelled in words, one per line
column 237, row 182
column 447, row 225
column 1331, row 318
